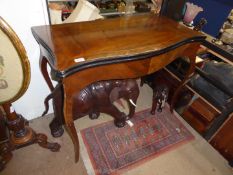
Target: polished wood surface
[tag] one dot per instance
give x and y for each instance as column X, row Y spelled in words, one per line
column 110, row 38
column 120, row 48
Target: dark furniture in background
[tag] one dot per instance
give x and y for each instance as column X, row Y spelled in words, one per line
column 210, row 120
column 207, row 113
column 211, row 114
column 214, row 125
column 173, row 9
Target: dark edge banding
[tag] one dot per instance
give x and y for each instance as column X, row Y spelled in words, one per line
column 107, row 61
column 43, row 44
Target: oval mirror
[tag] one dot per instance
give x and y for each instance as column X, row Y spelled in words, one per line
column 14, row 65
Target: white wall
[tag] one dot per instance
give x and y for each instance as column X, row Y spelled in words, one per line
column 22, row 15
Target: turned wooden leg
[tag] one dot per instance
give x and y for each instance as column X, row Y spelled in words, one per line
column 21, row 135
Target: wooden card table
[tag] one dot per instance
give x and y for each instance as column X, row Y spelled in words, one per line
column 119, row 48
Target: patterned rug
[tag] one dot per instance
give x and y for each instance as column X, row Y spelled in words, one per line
column 113, row 150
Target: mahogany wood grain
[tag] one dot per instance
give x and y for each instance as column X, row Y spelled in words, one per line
column 119, row 48
column 110, row 38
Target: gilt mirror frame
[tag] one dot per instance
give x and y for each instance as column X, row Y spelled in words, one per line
column 5, row 28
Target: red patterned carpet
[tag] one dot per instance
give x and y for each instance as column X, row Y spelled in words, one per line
column 112, row 150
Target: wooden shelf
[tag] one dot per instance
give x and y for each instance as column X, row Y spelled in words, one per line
column 191, row 89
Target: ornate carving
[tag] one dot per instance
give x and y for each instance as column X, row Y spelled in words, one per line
column 21, row 135
column 160, row 96
column 160, row 92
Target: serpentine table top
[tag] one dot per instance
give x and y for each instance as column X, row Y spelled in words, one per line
column 125, row 47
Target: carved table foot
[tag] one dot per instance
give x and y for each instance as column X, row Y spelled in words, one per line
column 21, row 135
column 56, row 128
column 41, row 139
column 31, row 137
